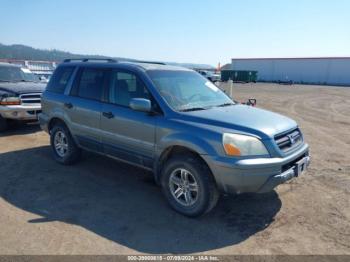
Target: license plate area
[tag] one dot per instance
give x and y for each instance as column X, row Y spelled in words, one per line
column 301, row 165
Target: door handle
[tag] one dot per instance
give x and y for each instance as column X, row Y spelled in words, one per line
column 68, row 105
column 108, row 115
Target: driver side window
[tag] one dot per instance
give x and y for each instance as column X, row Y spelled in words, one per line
column 125, row 86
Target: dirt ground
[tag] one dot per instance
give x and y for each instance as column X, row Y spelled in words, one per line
column 101, row 206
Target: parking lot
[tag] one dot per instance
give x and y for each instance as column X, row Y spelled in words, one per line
column 101, row 206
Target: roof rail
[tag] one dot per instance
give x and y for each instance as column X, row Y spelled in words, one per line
column 109, row 60
column 148, row 62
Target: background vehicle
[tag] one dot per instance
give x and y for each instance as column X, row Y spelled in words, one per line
column 43, row 79
column 211, row 76
column 20, row 93
column 173, row 122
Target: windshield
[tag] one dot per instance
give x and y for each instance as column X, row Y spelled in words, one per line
column 15, row 74
column 188, row 90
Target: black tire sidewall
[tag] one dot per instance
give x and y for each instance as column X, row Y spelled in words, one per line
column 200, row 173
column 73, row 151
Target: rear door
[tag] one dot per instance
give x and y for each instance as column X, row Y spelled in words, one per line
column 84, row 106
column 127, row 134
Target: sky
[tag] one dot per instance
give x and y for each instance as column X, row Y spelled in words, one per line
column 194, row 31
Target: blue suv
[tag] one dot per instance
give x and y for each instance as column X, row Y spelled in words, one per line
column 172, row 121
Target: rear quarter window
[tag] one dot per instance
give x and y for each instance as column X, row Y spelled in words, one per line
column 60, row 79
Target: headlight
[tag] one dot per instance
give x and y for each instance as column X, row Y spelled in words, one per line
column 242, row 145
column 10, row 100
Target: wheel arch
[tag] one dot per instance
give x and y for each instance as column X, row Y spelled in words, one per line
column 56, row 120
column 171, row 151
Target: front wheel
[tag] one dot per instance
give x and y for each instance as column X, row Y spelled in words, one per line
column 64, row 149
column 189, row 186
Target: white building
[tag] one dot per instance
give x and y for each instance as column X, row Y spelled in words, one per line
column 327, row 70
column 41, row 68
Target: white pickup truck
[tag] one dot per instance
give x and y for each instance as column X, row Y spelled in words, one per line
column 20, row 94
column 211, row 76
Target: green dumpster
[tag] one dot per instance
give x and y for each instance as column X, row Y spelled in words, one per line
column 239, row 76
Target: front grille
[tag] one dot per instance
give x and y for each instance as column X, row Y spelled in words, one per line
column 31, row 98
column 289, row 140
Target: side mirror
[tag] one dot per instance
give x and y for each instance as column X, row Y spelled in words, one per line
column 140, row 104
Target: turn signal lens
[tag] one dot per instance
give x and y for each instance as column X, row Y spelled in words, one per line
column 232, row 150
column 10, row 101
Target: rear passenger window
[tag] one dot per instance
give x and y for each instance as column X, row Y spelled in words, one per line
column 90, row 84
column 60, row 79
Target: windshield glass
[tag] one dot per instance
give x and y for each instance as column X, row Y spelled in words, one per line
column 188, row 90
column 14, row 74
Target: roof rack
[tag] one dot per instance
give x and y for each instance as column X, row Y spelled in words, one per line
column 148, row 62
column 109, row 60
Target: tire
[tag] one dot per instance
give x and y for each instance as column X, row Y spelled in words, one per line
column 3, row 124
column 65, row 150
column 206, row 196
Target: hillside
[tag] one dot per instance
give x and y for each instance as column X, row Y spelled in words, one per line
column 30, row 53
column 24, row 52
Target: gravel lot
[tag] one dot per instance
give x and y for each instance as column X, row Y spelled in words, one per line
column 101, row 206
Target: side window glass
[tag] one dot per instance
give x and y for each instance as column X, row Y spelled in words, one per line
column 60, row 79
column 90, row 85
column 129, row 79
column 125, row 86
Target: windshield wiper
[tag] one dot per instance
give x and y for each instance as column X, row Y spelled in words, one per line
column 193, row 109
column 226, row 104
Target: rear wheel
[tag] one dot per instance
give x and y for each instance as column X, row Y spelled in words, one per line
column 64, row 148
column 189, row 186
column 3, row 124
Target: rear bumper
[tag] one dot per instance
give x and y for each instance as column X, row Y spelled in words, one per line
column 235, row 176
column 21, row 112
column 215, row 79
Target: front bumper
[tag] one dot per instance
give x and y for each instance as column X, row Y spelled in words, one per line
column 21, row 112
column 255, row 175
column 287, row 175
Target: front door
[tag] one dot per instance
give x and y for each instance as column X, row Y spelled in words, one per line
column 127, row 134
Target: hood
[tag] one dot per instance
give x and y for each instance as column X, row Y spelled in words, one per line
column 22, row 87
column 243, row 118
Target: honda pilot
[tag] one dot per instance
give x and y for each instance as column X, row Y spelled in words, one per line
column 172, row 121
